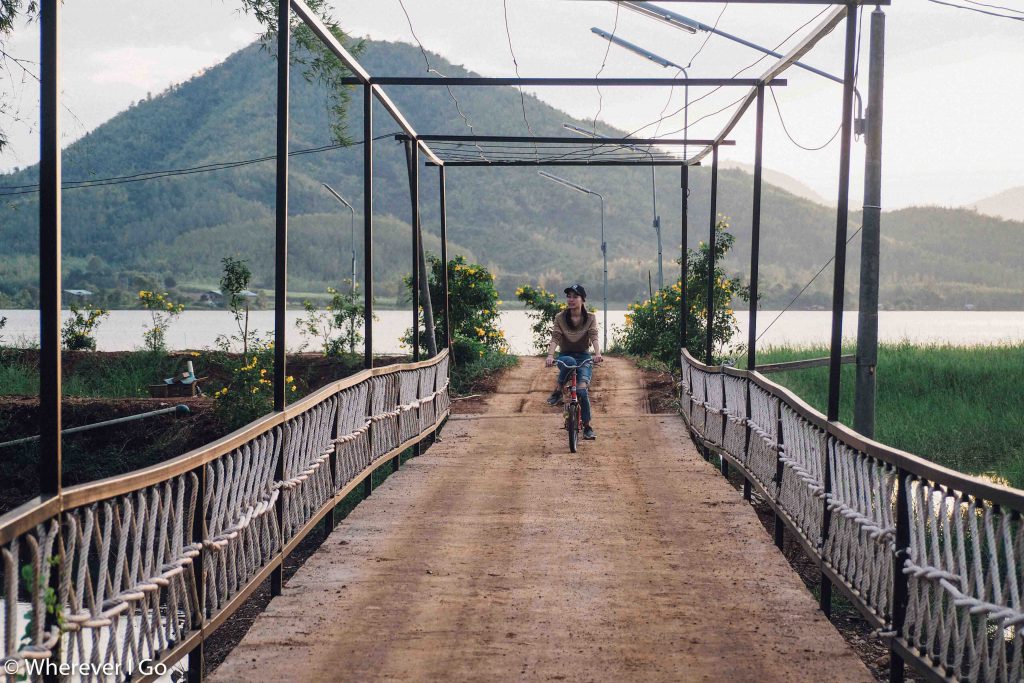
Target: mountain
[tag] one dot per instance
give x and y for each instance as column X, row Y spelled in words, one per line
column 1008, row 205
column 781, row 181
column 174, row 230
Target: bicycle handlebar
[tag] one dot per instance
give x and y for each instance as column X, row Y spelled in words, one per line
column 589, row 361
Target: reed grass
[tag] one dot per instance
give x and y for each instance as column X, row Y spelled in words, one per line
column 959, row 406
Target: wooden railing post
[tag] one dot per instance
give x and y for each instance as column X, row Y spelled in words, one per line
column 779, row 527
column 899, row 579
column 196, row 657
column 825, row 598
column 748, row 413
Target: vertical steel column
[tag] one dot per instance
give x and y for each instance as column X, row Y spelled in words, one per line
column 711, row 257
column 281, row 204
column 49, row 252
column 281, row 260
column 684, row 306
column 900, row 580
column 870, row 238
column 444, row 261
column 839, row 281
column 413, row 150
column 755, row 232
column 367, row 226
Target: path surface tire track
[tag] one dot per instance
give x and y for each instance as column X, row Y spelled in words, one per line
column 498, row 555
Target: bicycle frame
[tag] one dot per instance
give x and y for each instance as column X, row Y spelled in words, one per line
column 573, row 398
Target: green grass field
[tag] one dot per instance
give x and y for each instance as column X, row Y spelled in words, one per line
column 962, row 407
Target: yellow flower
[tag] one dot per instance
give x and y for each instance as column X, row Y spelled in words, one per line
column 289, row 379
column 293, row 387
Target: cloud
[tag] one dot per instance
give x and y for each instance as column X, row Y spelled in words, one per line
column 149, row 68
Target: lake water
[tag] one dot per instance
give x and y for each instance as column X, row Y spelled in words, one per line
column 199, row 329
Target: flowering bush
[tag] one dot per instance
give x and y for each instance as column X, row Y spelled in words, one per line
column 162, row 311
column 473, row 301
column 652, row 326
column 77, row 333
column 249, row 393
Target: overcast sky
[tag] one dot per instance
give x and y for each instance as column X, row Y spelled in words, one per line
column 953, row 90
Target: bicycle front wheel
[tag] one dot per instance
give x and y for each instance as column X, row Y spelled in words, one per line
column 573, row 426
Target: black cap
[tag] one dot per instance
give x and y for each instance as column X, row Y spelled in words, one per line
column 578, row 290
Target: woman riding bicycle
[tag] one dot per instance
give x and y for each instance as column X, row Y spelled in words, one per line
column 574, row 331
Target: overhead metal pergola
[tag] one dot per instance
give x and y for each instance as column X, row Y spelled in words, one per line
column 444, row 151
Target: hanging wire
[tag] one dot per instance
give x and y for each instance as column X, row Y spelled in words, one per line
column 430, row 69
column 604, row 62
column 515, row 63
column 983, row 4
column 981, row 11
column 12, row 190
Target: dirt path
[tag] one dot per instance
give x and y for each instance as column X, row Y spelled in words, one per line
column 498, row 556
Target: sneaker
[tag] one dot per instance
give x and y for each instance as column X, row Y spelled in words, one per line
column 588, row 433
column 555, row 398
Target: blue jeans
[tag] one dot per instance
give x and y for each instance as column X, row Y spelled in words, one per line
column 583, row 375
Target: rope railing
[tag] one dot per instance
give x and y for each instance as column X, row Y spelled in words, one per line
column 932, row 558
column 140, row 569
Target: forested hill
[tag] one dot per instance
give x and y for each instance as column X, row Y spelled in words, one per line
column 174, row 230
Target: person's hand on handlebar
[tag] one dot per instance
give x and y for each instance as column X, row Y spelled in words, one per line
column 549, row 361
column 598, row 358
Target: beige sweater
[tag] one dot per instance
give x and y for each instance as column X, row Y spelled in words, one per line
column 574, row 341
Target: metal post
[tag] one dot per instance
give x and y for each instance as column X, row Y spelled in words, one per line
column 867, row 316
column 657, row 225
column 900, row 580
column 711, row 257
column 444, row 260
column 684, row 308
column 779, row 526
column 352, row 245
column 604, row 253
column 413, row 152
column 281, row 205
column 755, row 233
column 367, row 226
column 49, row 252
column 839, row 281
column 281, row 260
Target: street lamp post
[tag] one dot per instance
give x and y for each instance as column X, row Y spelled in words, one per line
column 352, row 235
column 661, row 61
column 604, row 245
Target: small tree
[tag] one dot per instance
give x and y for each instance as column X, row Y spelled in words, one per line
column 542, row 307
column 162, row 312
column 652, row 326
column 341, row 315
column 233, row 282
column 77, row 333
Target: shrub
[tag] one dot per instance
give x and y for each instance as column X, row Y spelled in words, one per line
column 77, row 333
column 474, row 309
column 233, row 282
column 652, row 326
column 249, row 392
column 343, row 314
column 162, row 312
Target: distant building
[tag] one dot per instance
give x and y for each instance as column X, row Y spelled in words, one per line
column 211, row 297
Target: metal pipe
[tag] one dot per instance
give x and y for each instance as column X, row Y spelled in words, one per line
column 281, row 206
column 755, row 231
column 870, row 240
column 710, row 303
column 483, row 81
column 367, row 227
column 444, row 260
column 183, row 409
column 49, row 251
column 684, row 309
column 281, row 259
column 839, row 280
column 594, row 139
column 412, row 149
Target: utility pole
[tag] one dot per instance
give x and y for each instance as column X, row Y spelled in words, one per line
column 867, row 317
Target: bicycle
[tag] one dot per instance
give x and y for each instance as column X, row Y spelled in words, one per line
column 571, row 411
